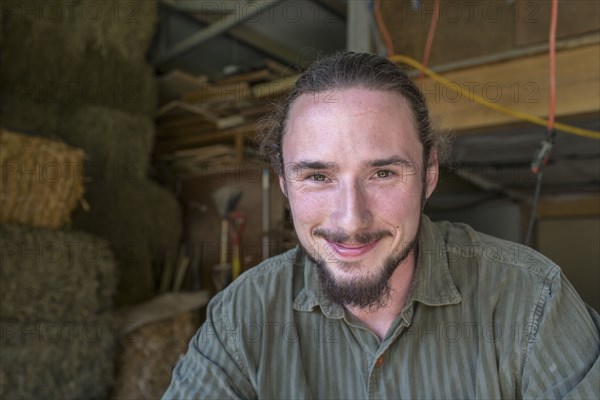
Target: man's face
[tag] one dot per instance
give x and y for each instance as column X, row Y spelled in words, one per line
column 355, row 182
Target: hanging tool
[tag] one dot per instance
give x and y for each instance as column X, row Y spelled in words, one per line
column 237, row 222
column 226, row 199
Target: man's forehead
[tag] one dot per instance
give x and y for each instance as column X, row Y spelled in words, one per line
column 355, row 101
column 382, row 111
column 357, row 94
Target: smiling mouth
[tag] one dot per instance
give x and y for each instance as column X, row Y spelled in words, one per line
column 351, row 250
column 351, row 246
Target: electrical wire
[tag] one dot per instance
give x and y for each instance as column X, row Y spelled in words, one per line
column 480, row 100
column 430, row 35
column 387, row 38
column 552, row 56
column 397, row 58
column 547, row 145
column 534, row 205
column 550, row 124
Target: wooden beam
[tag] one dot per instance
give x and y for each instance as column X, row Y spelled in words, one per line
column 237, row 17
column 254, row 38
column 521, row 84
column 337, row 7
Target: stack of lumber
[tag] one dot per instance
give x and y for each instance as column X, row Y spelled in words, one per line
column 203, row 122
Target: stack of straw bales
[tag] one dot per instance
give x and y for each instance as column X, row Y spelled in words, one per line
column 82, row 51
column 56, row 287
column 76, row 72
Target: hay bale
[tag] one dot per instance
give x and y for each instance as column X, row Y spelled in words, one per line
column 125, row 26
column 26, row 115
column 44, row 68
column 118, row 144
column 50, row 275
column 92, row 79
column 146, row 362
column 142, row 222
column 35, row 168
column 60, row 360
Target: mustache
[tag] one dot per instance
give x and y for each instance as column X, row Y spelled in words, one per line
column 342, row 238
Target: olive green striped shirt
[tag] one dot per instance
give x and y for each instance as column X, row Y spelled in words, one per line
column 485, row 318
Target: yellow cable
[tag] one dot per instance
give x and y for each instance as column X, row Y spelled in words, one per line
column 478, row 99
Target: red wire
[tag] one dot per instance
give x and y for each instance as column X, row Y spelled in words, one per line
column 430, row 35
column 387, row 38
column 552, row 46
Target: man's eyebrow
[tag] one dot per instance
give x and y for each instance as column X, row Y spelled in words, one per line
column 313, row 165
column 382, row 162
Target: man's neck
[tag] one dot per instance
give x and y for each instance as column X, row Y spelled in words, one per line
column 380, row 320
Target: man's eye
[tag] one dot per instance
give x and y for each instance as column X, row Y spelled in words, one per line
column 383, row 174
column 318, row 177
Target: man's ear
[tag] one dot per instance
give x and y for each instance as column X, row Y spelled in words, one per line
column 283, row 184
column 431, row 173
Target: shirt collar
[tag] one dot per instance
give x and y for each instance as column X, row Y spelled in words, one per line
column 432, row 284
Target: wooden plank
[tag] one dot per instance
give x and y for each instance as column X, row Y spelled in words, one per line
column 167, row 145
column 197, row 157
column 576, row 17
column 192, row 121
column 571, row 206
column 177, row 108
column 520, row 84
column 279, row 69
column 217, row 93
column 250, row 76
column 174, row 84
column 254, row 111
column 274, row 88
column 204, row 152
column 465, row 29
column 177, row 115
column 186, row 121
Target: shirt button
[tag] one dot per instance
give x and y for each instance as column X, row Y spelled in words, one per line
column 379, row 362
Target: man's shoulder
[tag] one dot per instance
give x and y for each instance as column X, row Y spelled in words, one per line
column 270, row 284
column 466, row 246
column 497, row 277
column 277, row 267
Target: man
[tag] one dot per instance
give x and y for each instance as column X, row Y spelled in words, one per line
column 378, row 301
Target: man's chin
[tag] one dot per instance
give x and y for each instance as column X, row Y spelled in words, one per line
column 363, row 284
column 348, row 272
column 352, row 283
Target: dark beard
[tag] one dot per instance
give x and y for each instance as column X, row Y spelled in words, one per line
column 363, row 293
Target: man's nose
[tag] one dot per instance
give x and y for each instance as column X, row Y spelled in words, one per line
column 351, row 213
